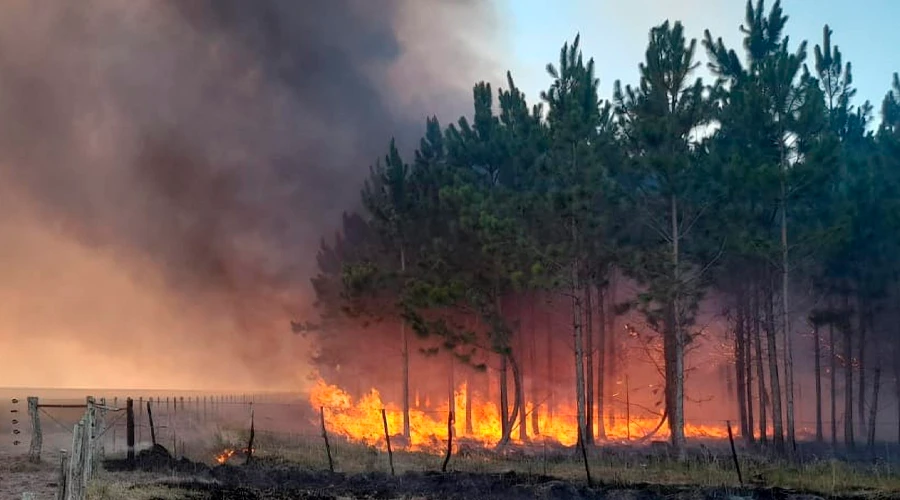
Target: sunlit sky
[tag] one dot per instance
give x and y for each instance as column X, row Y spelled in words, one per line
column 614, row 33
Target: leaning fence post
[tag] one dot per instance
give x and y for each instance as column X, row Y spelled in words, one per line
column 37, row 437
column 63, row 475
column 325, row 437
column 252, row 435
column 387, row 438
column 150, row 420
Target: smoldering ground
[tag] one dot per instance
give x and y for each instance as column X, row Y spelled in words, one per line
column 168, row 168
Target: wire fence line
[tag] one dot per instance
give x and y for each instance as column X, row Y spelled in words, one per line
column 197, row 426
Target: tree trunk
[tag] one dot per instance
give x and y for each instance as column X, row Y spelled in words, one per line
column 578, row 345
column 748, row 371
column 469, row 427
column 404, row 353
column 504, row 400
column 535, row 379
column 777, row 422
column 601, row 362
column 739, row 358
column 451, row 386
column 610, row 358
column 675, row 351
column 848, row 381
column 786, row 312
column 861, row 348
column 509, row 420
column 760, row 369
column 589, row 365
column 873, row 411
column 832, row 380
column 519, row 380
column 817, row 353
column 550, row 380
column 518, row 412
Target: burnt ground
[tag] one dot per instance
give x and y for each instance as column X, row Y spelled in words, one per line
column 266, row 479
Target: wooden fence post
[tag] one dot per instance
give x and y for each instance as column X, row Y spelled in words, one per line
column 252, row 435
column 129, row 431
column 387, row 438
column 63, row 475
column 100, row 431
column 37, row 437
column 152, row 428
column 325, row 437
column 140, row 420
column 76, row 463
column 90, row 445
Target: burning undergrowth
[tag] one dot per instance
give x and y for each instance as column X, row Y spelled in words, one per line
column 476, row 422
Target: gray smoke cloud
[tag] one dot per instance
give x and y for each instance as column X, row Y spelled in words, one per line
column 167, row 169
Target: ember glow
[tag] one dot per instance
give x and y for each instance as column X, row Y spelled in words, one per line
column 228, row 453
column 361, row 421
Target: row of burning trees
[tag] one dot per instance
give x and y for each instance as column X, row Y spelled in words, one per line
column 764, row 183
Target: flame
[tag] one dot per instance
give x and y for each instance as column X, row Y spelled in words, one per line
column 227, row 453
column 361, row 421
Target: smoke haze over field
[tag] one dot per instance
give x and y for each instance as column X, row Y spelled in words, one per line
column 168, row 168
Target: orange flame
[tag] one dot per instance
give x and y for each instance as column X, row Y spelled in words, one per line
column 361, row 421
column 227, row 453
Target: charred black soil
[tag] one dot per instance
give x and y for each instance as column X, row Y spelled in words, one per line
column 266, row 479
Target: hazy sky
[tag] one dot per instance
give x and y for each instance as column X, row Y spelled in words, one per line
column 614, row 33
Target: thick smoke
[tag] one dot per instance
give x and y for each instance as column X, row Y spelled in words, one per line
column 168, row 168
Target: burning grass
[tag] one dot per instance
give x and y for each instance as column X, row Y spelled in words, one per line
column 361, row 421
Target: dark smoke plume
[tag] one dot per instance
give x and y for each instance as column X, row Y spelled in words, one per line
column 168, row 167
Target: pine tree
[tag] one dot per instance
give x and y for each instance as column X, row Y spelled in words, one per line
column 659, row 117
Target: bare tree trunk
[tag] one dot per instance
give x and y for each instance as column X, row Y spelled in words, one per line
column 601, row 362
column 535, row 379
column 760, row 370
column 589, row 364
column 777, row 422
column 675, row 354
column 469, row 426
column 848, row 381
column 832, row 380
column 610, row 358
column 519, row 380
column 518, row 412
column 404, row 354
column 786, row 311
column 748, row 370
column 739, row 359
column 451, row 385
column 504, row 400
column 508, row 422
column 817, row 353
column 861, row 348
column 550, row 380
column 578, row 345
column 873, row 411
